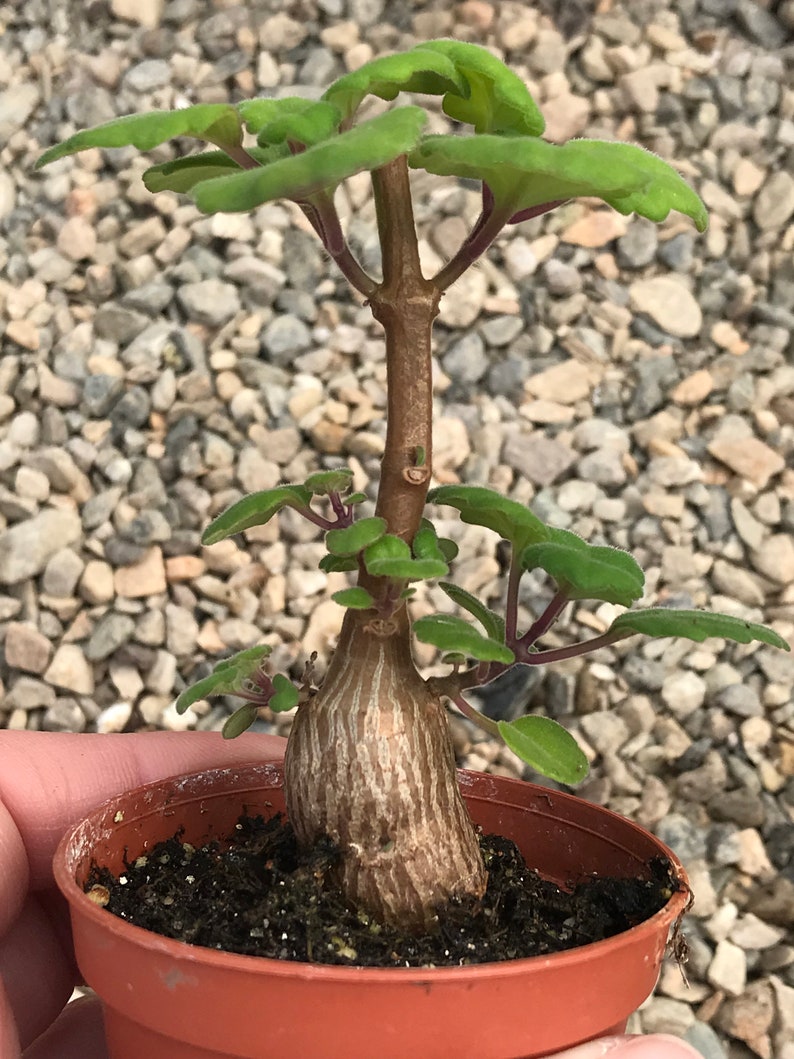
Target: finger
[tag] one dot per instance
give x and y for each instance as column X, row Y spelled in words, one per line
column 49, row 781
column 77, row 1033
column 9, row 1039
column 658, row 1046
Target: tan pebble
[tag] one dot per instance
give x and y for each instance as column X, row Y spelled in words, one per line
column 595, row 229
column 694, row 389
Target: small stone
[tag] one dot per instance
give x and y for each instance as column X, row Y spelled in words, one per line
column 705, row 1041
column 728, row 968
column 77, row 239
column 605, row 731
column 114, row 718
column 750, row 932
column 748, row 1017
column 146, row 13
column 285, row 338
column 69, row 669
column 26, row 548
column 694, row 389
column 750, row 458
column 669, row 304
column 463, row 301
column 565, row 383
column 595, row 229
column 96, row 584
column 62, row 573
column 683, row 692
column 26, row 648
column 144, row 578
column 24, row 333
column 110, row 633
column 539, row 459
column 747, row 177
column 210, row 301
column 148, row 75
column 566, row 117
column 181, row 630
column 775, row 558
column 774, row 203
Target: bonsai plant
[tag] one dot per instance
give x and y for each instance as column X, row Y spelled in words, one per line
column 369, row 760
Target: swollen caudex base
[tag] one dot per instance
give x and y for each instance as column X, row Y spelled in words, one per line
column 370, row 764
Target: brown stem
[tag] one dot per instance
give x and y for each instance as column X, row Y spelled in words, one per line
column 369, row 759
column 406, row 305
column 370, row 763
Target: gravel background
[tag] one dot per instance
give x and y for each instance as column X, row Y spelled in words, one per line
column 635, row 382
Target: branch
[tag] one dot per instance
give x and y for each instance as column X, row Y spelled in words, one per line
column 559, row 654
column 483, row 722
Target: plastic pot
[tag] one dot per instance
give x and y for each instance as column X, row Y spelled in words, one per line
column 164, row 999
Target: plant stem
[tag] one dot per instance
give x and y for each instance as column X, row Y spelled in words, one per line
column 559, row 654
column 239, row 155
column 323, row 217
column 511, row 607
column 544, row 622
column 405, row 304
column 483, row 722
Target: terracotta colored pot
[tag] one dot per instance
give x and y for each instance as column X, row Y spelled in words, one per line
column 164, row 999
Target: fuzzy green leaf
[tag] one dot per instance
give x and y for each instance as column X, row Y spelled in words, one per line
column 480, row 506
column 306, row 122
column 184, row 173
column 448, row 548
column 333, row 564
column 322, row 483
column 547, row 747
column 695, row 625
column 367, row 146
column 354, row 539
column 391, row 557
column 240, row 721
column 355, row 598
column 451, row 634
column 228, row 678
column 287, row 695
column 356, row 498
column 526, row 172
column 426, row 544
column 217, row 123
column 586, row 571
column 417, row 70
column 493, row 624
column 497, row 100
column 255, row 510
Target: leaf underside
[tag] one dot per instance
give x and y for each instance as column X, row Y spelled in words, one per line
column 227, row 678
column 697, row 625
column 452, row 634
column 218, row 123
column 481, row 506
column 525, row 172
column 255, row 510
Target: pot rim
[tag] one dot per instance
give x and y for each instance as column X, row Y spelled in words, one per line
column 85, row 834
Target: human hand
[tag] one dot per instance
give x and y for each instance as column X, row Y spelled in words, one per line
column 657, row 1046
column 47, row 782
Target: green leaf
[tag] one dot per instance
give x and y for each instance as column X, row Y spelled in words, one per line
column 333, row 564
column 480, row 506
column 304, row 121
column 240, row 721
column 228, row 678
column 448, row 548
column 497, row 100
column 255, row 510
column 449, row 633
column 695, row 625
column 526, row 172
column 183, row 173
column 356, row 498
column 426, row 544
column 547, row 747
column 586, row 571
column 493, row 624
column 417, row 70
column 355, row 598
column 391, row 557
column 354, row 539
column 287, row 695
column 324, row 482
column 217, row 123
column 365, row 147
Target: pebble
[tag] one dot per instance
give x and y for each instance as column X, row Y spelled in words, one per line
column 26, row 648
column 143, row 578
column 209, row 301
column 748, row 457
column 26, row 548
column 69, row 669
column 669, row 304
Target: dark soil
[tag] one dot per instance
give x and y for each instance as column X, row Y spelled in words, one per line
column 257, row 894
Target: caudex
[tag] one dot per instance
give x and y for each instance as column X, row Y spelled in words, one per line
column 369, row 760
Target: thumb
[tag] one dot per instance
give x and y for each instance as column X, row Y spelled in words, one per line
column 658, row 1046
